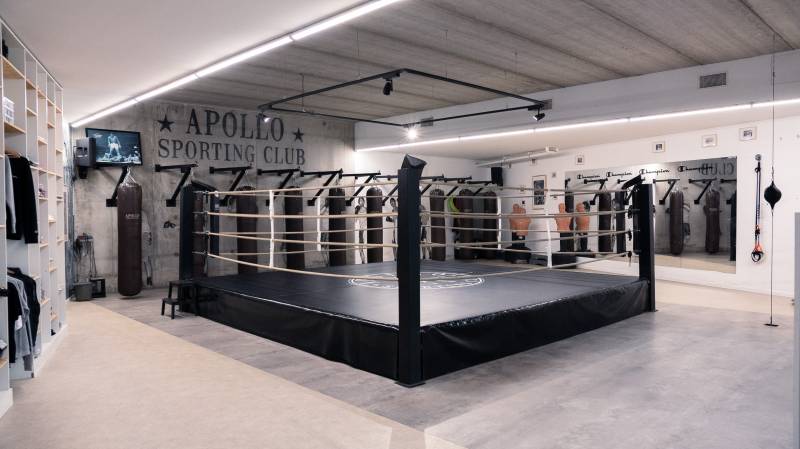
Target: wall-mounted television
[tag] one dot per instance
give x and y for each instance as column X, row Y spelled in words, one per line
column 116, row 147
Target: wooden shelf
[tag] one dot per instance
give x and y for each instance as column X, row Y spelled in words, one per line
column 44, row 301
column 31, row 112
column 12, row 128
column 3, row 362
column 30, row 84
column 51, row 125
column 36, row 278
column 43, row 245
column 9, row 71
column 51, row 102
column 51, row 269
column 40, row 93
column 59, row 150
column 42, row 198
column 41, row 140
column 59, row 110
column 53, row 317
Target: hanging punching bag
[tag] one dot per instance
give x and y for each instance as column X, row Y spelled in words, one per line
column 375, row 224
column 619, row 219
column 676, row 223
column 246, row 226
column 465, row 205
column 336, row 206
column 129, row 240
column 732, row 250
column 438, row 231
column 293, row 205
column 604, row 224
column 712, row 211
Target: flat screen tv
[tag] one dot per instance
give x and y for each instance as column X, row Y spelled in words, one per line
column 116, row 147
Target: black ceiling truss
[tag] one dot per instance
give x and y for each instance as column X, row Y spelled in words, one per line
column 534, row 105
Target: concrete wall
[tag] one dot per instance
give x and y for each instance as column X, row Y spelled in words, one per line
column 325, row 145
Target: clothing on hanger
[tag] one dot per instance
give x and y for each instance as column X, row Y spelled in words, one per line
column 25, row 202
column 11, row 218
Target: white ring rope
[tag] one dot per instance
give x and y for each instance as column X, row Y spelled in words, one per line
column 299, row 217
column 303, row 242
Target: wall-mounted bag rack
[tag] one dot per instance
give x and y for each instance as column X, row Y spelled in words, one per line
column 458, row 180
column 287, row 172
column 331, row 174
column 484, row 184
column 672, row 182
column 186, row 169
column 602, row 184
column 356, row 176
column 112, row 202
column 240, row 172
column 429, row 178
column 728, row 181
column 706, row 185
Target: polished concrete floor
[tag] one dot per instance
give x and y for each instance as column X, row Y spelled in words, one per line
column 703, row 372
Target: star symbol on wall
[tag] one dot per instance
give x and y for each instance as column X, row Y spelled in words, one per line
column 165, row 124
column 298, row 135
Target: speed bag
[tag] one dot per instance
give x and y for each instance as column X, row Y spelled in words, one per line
column 129, row 240
column 676, row 223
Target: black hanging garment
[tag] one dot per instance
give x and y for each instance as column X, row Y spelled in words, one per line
column 246, row 226
column 676, row 231
column 25, row 202
column 14, row 312
column 33, row 299
column 712, row 212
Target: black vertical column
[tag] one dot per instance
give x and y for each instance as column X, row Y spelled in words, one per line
column 643, row 202
column 336, row 206
column 186, row 234
column 409, row 350
column 375, row 224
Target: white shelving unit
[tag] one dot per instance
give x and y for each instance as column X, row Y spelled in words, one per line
column 37, row 134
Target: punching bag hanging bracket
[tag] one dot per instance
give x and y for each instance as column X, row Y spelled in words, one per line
column 672, row 183
column 370, row 177
column 240, row 172
column 288, row 172
column 602, row 182
column 706, row 185
column 186, row 169
column 331, row 176
column 112, row 202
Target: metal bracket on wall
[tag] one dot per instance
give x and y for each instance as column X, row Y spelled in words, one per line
column 429, row 178
column 728, row 181
column 480, row 183
column 240, row 172
column 602, row 182
column 289, row 172
column 370, row 177
column 706, row 185
column 458, row 180
column 186, row 169
column 391, row 192
column 112, row 202
column 331, row 176
column 672, row 183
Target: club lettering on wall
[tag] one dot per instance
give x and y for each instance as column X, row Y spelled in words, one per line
column 211, row 135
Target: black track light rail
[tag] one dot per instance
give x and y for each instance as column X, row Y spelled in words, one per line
column 389, row 77
column 186, row 169
column 240, row 172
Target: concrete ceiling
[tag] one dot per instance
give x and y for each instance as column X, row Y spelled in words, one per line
column 105, row 51
column 520, row 46
column 109, row 50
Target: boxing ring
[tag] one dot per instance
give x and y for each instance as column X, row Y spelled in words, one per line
column 413, row 319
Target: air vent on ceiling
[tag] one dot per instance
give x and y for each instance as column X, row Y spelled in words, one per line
column 713, row 80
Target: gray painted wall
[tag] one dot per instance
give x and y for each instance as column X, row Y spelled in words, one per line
column 324, row 146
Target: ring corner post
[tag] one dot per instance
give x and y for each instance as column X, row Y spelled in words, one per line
column 409, row 348
column 186, row 232
column 645, row 217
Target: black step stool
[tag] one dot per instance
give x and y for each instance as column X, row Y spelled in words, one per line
column 181, row 286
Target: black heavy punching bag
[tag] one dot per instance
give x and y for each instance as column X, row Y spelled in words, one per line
column 489, row 225
column 375, row 224
column 438, row 232
column 129, row 241
column 464, row 203
column 733, row 228
column 712, row 211
column 604, row 224
column 336, row 205
column 676, row 223
column 246, row 226
column 293, row 205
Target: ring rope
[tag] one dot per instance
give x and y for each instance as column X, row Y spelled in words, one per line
column 526, row 189
column 312, row 273
column 299, row 217
column 513, row 215
column 305, row 242
column 335, row 231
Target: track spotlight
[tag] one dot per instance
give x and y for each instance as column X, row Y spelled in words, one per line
column 388, row 87
column 267, row 119
column 412, row 133
column 539, row 115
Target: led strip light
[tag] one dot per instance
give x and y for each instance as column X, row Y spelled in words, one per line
column 598, row 123
column 303, row 33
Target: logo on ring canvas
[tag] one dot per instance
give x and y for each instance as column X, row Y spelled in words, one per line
column 432, row 281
